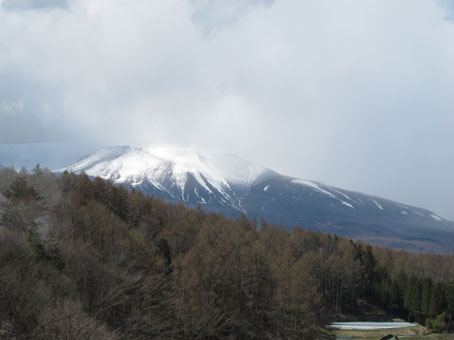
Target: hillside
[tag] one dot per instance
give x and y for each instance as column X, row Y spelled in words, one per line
column 232, row 186
column 89, row 260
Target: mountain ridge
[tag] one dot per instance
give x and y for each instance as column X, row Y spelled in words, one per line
column 233, row 186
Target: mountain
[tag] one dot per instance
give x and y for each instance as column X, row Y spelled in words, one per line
column 232, row 186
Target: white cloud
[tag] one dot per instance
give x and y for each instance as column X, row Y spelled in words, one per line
column 354, row 93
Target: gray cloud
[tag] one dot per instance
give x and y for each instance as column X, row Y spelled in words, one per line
column 217, row 14
column 34, row 4
column 355, row 94
column 448, row 6
column 29, row 110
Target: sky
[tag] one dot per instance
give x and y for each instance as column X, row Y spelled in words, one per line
column 356, row 94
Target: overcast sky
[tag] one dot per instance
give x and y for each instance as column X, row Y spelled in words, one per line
column 357, row 94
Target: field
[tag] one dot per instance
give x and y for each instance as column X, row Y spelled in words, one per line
column 408, row 333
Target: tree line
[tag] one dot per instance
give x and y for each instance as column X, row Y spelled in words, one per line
column 81, row 258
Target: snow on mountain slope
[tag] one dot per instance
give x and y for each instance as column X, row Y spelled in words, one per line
column 124, row 163
column 231, row 185
column 170, row 169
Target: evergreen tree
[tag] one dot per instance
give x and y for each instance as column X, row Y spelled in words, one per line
column 395, row 297
column 415, row 299
column 408, row 293
column 425, row 299
column 20, row 190
column 437, row 299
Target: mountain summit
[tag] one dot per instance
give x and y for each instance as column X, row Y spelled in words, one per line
column 175, row 174
column 232, row 186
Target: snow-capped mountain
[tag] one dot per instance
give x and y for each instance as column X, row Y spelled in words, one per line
column 175, row 174
column 231, row 185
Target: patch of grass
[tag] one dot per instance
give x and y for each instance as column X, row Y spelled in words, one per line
column 408, row 333
column 430, row 337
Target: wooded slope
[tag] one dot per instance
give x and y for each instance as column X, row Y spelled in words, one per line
column 82, row 259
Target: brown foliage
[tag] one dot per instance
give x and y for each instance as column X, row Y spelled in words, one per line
column 84, row 259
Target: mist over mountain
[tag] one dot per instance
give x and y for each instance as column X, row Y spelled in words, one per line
column 233, row 186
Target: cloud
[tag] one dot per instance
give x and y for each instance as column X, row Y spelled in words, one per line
column 30, row 111
column 34, row 4
column 217, row 14
column 355, row 94
column 448, row 6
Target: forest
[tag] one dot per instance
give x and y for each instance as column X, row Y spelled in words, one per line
column 83, row 259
